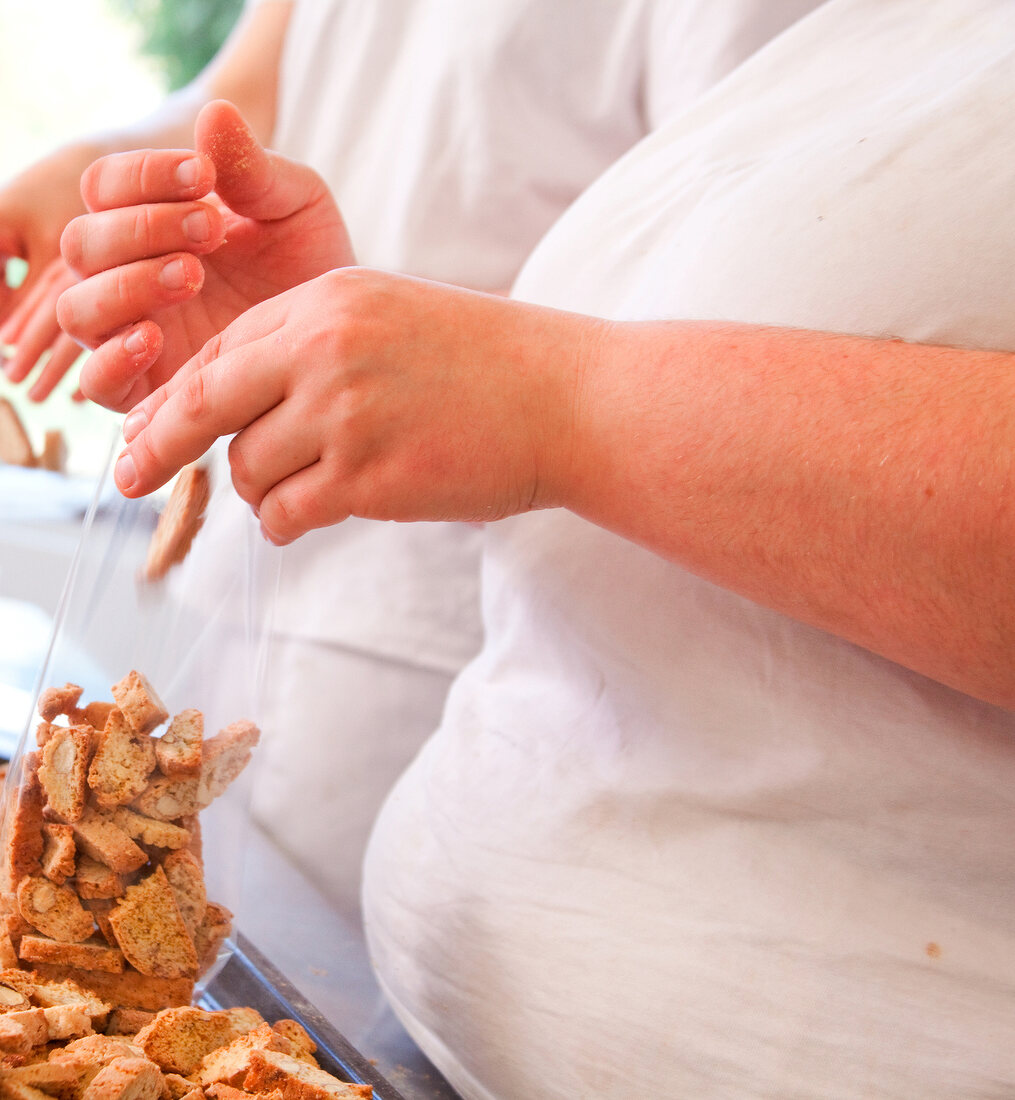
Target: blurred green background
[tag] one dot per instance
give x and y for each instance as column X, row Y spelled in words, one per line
column 181, row 36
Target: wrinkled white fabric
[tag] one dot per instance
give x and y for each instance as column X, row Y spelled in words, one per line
column 452, row 133
column 667, row 842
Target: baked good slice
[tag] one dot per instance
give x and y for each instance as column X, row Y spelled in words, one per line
column 56, row 911
column 179, row 749
column 151, row 932
column 58, row 852
column 179, row 1038
column 90, row 954
column 98, row 836
column 296, row 1080
column 64, row 770
column 123, row 760
column 180, row 521
column 55, row 701
column 126, row 1079
column 139, row 702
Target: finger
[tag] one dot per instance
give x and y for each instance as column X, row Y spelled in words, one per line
column 248, row 178
column 269, row 450
column 116, row 374
column 103, row 304
column 37, row 296
column 259, row 323
column 64, row 354
column 219, row 398
column 302, row 502
column 147, row 175
column 112, row 238
column 33, row 327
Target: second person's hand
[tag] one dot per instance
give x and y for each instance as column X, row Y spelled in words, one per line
column 180, row 243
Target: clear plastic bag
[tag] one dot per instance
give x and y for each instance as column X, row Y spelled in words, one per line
column 199, row 636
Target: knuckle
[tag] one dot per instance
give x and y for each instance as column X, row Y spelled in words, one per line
column 146, row 461
column 71, row 242
column 280, row 514
column 193, row 396
column 240, row 471
column 143, row 229
column 65, row 313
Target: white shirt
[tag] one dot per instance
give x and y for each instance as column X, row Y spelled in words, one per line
column 668, row 842
column 453, row 133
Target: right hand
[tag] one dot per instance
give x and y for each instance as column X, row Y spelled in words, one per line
column 147, row 302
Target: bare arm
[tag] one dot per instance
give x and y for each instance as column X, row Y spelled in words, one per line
column 864, row 487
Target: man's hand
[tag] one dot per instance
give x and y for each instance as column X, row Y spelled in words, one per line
column 376, row 395
column 178, row 244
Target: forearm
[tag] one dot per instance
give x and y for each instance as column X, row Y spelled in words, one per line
column 861, row 486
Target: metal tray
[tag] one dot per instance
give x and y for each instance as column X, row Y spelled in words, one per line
column 248, row 978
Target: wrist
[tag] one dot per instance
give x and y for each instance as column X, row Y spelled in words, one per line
column 571, row 458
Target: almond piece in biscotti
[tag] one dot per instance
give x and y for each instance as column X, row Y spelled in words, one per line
column 122, row 763
column 56, row 911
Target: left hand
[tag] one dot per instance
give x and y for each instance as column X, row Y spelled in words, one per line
column 166, row 264
column 32, row 329
column 361, row 393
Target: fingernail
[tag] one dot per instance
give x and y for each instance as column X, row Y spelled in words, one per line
column 135, row 421
column 174, row 275
column 189, row 172
column 123, row 473
column 268, row 536
column 134, row 343
column 197, row 226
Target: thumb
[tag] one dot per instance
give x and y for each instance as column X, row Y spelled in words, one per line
column 249, row 179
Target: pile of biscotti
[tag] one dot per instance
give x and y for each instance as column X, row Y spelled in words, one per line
column 183, row 1053
column 102, row 880
column 106, row 922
